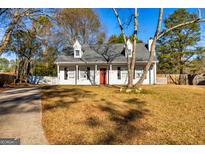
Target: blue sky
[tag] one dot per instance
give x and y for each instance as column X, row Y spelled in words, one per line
column 147, row 21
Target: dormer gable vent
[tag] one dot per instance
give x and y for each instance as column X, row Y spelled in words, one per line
column 77, row 49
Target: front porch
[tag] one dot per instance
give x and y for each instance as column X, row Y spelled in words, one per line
column 100, row 74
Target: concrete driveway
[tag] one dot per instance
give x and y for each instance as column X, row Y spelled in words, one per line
column 20, row 115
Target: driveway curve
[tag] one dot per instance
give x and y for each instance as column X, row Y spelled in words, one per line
column 20, row 115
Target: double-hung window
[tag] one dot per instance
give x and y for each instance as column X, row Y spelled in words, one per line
column 118, row 73
column 88, row 73
column 77, row 53
column 65, row 73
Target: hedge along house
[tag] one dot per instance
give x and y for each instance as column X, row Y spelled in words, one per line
column 102, row 64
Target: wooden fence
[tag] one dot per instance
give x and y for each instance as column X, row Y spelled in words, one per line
column 188, row 79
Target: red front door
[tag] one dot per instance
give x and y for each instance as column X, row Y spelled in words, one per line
column 103, row 76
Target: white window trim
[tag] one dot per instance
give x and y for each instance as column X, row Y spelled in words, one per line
column 75, row 55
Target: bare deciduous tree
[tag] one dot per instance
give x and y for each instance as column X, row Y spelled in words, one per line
column 26, row 46
column 16, row 16
column 82, row 24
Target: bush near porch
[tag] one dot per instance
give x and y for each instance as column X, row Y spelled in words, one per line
column 163, row 114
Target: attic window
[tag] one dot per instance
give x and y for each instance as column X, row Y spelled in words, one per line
column 77, row 53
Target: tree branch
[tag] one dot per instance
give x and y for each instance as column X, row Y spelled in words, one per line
column 180, row 25
column 120, row 25
column 2, row 11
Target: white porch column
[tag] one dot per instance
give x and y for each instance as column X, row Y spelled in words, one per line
column 76, row 74
column 150, row 76
column 95, row 74
column 58, row 72
column 109, row 74
column 110, row 67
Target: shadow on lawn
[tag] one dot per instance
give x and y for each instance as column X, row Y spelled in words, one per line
column 118, row 128
column 126, row 125
column 93, row 122
column 72, row 96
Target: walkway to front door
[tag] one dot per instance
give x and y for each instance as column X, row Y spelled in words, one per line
column 103, row 76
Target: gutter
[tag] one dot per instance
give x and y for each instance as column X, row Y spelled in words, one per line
column 100, row 62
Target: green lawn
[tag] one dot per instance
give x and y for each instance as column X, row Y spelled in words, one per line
column 163, row 114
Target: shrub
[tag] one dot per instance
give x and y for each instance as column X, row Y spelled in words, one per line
column 6, row 79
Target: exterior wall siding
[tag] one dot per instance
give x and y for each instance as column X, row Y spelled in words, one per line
column 111, row 75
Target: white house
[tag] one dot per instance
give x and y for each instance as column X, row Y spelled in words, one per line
column 102, row 64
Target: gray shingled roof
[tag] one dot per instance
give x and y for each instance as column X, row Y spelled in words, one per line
column 103, row 54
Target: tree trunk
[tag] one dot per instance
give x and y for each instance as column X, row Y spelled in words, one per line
column 17, row 71
column 125, row 42
column 28, row 68
column 149, row 63
column 151, row 57
column 22, row 70
column 132, row 70
column 130, row 79
column 181, row 76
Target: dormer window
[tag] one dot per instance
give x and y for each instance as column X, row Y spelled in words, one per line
column 77, row 50
column 77, row 53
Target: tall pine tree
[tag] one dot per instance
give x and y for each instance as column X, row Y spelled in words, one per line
column 176, row 48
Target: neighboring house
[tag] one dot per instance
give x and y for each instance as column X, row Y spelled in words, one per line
column 102, row 64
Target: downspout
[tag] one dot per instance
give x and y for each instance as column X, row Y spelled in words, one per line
column 155, row 73
column 94, row 76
